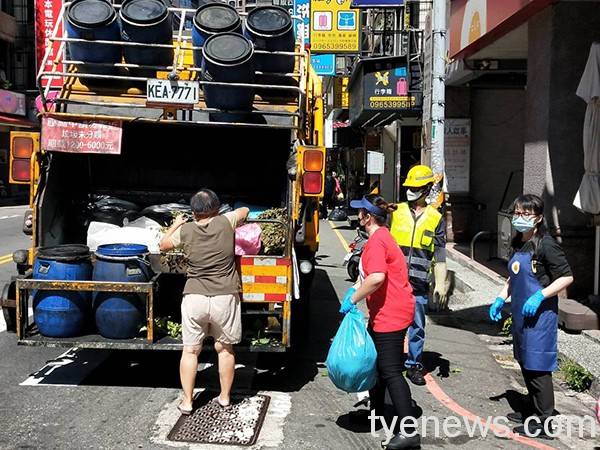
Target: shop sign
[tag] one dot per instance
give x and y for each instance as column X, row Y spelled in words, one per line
column 340, row 93
column 457, row 155
column 323, row 64
column 334, row 27
column 388, row 89
column 46, row 16
column 12, row 103
column 302, row 10
column 88, row 136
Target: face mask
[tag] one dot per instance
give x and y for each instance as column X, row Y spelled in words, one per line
column 523, row 224
column 412, row 196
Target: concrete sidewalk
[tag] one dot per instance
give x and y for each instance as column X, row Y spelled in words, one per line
column 472, row 364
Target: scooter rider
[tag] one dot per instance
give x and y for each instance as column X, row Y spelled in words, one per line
column 419, row 230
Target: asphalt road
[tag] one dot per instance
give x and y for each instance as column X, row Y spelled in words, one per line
column 71, row 399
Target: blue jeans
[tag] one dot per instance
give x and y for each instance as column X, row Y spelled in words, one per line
column 416, row 334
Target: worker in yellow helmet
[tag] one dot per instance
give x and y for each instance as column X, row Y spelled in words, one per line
column 419, row 230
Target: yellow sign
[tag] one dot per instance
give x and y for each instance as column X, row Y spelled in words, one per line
column 334, row 27
column 340, row 92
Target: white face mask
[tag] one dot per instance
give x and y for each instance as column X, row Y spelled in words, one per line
column 412, row 196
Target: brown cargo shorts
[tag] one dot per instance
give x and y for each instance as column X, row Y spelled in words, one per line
column 219, row 316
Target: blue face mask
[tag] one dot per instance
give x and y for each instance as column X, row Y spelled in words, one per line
column 523, row 224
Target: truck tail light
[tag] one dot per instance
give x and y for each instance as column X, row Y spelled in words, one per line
column 22, row 147
column 312, row 182
column 313, row 160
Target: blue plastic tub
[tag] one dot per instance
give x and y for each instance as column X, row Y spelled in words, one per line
column 62, row 313
column 211, row 19
column 228, row 58
column 120, row 315
column 93, row 20
column 148, row 22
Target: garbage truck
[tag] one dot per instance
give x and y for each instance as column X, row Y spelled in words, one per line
column 143, row 132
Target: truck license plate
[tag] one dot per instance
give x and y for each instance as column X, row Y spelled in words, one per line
column 172, row 92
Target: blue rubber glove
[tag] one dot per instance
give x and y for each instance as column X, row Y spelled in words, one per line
column 532, row 304
column 347, row 304
column 496, row 309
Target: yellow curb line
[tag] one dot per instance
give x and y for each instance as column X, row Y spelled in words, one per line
column 340, row 237
column 6, row 259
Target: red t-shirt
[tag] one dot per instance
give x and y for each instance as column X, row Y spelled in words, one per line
column 392, row 306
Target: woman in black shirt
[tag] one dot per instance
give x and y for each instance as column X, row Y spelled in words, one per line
column 538, row 272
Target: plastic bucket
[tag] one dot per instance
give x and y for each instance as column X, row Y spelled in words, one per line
column 93, row 20
column 119, row 315
column 148, row 22
column 228, row 58
column 211, row 19
column 271, row 28
column 62, row 313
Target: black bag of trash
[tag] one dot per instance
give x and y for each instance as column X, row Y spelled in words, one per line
column 113, row 210
column 338, row 214
column 164, row 213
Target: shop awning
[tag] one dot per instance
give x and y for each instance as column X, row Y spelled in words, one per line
column 18, row 122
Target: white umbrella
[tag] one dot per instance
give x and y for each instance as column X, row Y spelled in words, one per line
column 588, row 196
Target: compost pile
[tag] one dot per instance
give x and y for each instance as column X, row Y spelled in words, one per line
column 273, row 235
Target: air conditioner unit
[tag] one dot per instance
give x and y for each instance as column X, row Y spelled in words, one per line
column 505, row 235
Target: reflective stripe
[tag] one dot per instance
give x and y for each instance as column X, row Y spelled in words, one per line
column 418, row 274
column 416, row 261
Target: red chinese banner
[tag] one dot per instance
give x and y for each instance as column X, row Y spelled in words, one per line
column 81, row 137
column 46, row 16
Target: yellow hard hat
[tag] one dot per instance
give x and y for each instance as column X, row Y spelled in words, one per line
column 418, row 176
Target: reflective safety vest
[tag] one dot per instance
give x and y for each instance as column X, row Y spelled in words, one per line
column 415, row 236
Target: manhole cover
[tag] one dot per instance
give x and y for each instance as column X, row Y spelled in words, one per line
column 239, row 424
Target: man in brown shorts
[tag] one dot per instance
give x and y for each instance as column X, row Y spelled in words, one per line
column 211, row 303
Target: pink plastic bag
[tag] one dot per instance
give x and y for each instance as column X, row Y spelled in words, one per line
column 598, row 410
column 247, row 239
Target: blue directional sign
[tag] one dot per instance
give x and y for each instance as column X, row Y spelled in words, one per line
column 323, row 64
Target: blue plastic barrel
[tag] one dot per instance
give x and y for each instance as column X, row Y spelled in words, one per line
column 120, row 315
column 271, row 29
column 148, row 22
column 228, row 58
column 62, row 313
column 210, row 19
column 93, row 20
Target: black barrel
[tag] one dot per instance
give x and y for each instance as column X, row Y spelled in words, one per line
column 93, row 20
column 148, row 22
column 271, row 28
column 228, row 58
column 211, row 19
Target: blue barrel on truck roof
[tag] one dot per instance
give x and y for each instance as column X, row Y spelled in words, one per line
column 228, row 58
column 120, row 315
column 62, row 313
column 211, row 19
column 93, row 20
column 148, row 22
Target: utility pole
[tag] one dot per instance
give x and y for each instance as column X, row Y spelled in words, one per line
column 434, row 92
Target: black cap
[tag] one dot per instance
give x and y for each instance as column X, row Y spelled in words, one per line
column 271, row 20
column 228, row 48
column 144, row 11
column 91, row 13
column 217, row 18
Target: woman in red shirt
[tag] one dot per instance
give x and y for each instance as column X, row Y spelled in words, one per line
column 384, row 283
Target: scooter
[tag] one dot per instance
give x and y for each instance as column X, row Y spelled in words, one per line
column 352, row 258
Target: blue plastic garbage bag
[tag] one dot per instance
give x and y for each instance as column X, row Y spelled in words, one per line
column 352, row 358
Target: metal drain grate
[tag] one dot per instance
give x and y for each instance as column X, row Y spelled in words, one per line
column 239, row 424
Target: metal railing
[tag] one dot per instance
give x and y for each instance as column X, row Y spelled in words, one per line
column 292, row 106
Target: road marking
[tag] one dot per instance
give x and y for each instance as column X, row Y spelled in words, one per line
column 6, row 258
column 445, row 399
column 340, row 237
column 10, row 217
